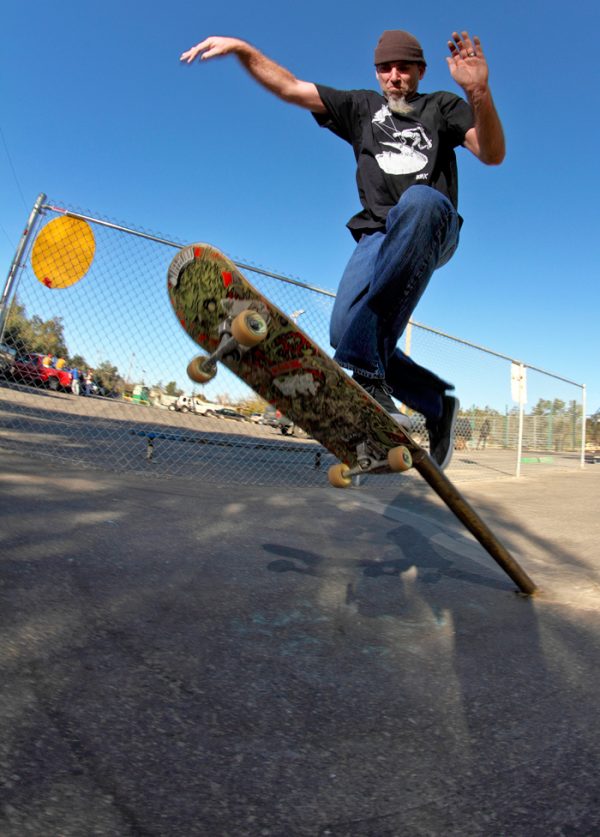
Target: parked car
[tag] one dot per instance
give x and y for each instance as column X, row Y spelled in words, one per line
column 271, row 418
column 7, row 358
column 288, row 428
column 275, row 418
column 225, row 412
column 285, row 425
column 30, row 369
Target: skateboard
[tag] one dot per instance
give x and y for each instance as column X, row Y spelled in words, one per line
column 237, row 326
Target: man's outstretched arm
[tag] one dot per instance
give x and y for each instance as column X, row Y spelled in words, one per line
column 268, row 73
column 469, row 69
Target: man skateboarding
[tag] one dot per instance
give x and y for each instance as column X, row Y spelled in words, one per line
column 404, row 144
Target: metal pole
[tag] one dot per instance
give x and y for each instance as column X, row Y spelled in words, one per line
column 13, row 272
column 520, row 440
column 408, row 339
column 583, row 423
column 521, row 413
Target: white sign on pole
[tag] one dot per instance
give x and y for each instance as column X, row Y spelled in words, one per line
column 518, row 383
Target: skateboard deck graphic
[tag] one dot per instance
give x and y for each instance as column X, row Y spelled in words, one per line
column 234, row 324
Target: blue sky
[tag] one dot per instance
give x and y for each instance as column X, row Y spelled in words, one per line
column 98, row 112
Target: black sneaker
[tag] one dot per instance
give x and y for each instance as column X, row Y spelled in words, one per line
column 378, row 389
column 382, row 393
column 441, row 432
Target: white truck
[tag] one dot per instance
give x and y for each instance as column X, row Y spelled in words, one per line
column 193, row 404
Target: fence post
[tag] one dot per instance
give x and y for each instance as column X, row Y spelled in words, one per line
column 15, row 265
column 521, row 416
column 583, row 423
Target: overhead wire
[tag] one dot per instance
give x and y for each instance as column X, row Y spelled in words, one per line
column 17, row 182
column 12, row 167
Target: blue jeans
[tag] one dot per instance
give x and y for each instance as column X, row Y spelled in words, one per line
column 380, row 288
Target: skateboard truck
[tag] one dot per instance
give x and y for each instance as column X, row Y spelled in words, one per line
column 367, row 460
column 245, row 325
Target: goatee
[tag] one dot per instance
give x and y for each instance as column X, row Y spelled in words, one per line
column 399, row 105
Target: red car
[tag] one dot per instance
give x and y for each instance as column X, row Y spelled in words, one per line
column 31, row 370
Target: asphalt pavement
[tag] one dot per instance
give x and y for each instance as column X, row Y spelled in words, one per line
column 179, row 658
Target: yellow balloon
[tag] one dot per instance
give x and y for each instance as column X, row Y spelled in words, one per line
column 63, row 252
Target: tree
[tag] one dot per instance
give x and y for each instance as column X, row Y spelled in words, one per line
column 78, row 362
column 107, row 376
column 172, row 389
column 558, row 406
column 593, row 428
column 47, row 336
column 16, row 333
column 34, row 334
column 253, row 404
column 542, row 408
column 475, row 411
column 548, row 408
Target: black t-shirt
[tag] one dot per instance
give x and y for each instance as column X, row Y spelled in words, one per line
column 394, row 152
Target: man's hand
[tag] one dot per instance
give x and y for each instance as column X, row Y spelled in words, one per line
column 266, row 72
column 469, row 69
column 467, row 63
column 212, row 47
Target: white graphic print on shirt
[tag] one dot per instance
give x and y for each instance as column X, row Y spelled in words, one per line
column 407, row 145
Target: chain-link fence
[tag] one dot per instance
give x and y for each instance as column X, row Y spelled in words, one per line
column 92, row 371
column 514, row 416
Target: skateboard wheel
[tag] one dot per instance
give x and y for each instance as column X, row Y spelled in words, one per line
column 201, row 372
column 249, row 328
column 337, row 476
column 399, row 459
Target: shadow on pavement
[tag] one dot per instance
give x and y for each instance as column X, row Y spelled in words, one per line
column 258, row 662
